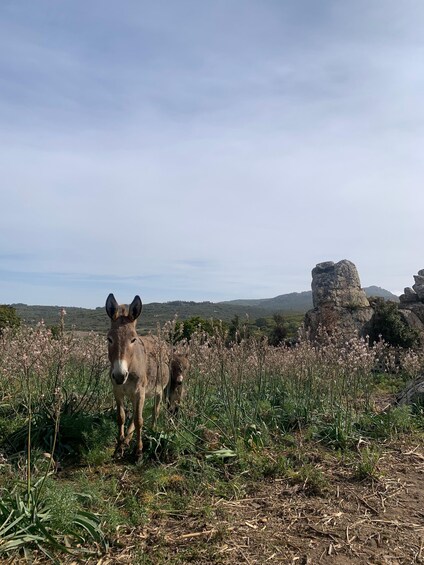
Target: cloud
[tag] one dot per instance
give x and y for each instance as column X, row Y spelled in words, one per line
column 207, row 151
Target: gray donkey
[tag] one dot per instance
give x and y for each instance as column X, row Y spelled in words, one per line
column 139, row 368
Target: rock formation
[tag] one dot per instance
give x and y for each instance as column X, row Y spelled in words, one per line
column 413, row 393
column 412, row 303
column 340, row 304
column 337, row 284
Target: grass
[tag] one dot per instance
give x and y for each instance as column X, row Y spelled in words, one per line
column 252, row 413
column 367, row 465
column 53, row 523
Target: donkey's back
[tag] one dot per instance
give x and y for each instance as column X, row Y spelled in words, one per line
column 156, row 376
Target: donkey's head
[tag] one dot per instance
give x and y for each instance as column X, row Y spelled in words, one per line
column 122, row 337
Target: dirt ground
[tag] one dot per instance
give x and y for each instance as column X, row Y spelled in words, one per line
column 378, row 521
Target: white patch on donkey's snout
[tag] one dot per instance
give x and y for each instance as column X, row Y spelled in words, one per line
column 120, row 367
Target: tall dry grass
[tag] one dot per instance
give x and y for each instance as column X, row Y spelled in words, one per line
column 55, row 396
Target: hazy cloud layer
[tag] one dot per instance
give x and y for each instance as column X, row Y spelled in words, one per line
column 207, row 150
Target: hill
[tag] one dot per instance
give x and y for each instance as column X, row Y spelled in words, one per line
column 85, row 319
column 293, row 304
column 300, row 301
column 381, row 292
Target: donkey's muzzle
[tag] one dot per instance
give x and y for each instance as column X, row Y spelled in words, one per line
column 119, row 378
column 119, row 372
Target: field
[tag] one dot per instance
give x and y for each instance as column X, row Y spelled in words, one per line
column 278, row 455
column 292, row 306
column 86, row 319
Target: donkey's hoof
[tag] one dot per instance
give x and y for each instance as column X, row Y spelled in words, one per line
column 119, row 451
column 138, row 456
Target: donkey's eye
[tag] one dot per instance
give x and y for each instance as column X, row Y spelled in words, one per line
column 134, row 339
column 110, row 340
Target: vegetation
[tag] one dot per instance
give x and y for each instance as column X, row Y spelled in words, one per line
column 387, row 323
column 183, row 330
column 253, row 412
column 85, row 319
column 291, row 306
column 8, row 318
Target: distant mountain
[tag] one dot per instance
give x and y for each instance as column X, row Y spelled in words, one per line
column 301, row 301
column 381, row 292
column 86, row 319
column 292, row 302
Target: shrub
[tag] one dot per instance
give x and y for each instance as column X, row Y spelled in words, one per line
column 279, row 331
column 388, row 323
column 8, row 318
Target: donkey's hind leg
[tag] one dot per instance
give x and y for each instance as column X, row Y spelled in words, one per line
column 156, row 408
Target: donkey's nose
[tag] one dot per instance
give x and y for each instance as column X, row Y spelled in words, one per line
column 120, row 372
column 120, row 378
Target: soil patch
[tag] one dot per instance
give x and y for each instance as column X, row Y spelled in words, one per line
column 378, row 521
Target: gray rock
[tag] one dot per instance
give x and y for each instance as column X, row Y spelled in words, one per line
column 337, row 284
column 340, row 304
column 408, row 296
column 412, row 319
column 334, row 319
column 413, row 392
column 412, row 304
column 419, row 289
column 418, row 310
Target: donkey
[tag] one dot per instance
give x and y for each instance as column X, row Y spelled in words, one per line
column 178, row 367
column 139, row 369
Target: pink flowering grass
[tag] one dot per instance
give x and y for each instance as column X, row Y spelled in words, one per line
column 275, row 390
column 241, row 399
column 61, row 378
column 46, row 378
column 41, row 372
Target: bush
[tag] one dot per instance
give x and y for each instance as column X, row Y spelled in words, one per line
column 279, row 331
column 185, row 329
column 388, row 323
column 8, row 318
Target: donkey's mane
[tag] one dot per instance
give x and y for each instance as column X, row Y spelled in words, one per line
column 122, row 311
column 122, row 317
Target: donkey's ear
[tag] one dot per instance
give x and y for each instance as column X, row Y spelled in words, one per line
column 112, row 307
column 135, row 307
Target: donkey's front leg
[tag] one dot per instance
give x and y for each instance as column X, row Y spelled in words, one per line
column 120, row 412
column 138, row 421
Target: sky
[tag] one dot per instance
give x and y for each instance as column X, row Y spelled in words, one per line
column 213, row 150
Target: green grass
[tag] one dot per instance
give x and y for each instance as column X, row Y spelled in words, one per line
column 252, row 413
column 51, row 524
column 367, row 465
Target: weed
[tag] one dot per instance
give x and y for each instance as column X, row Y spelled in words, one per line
column 338, row 433
column 264, row 464
column 312, row 479
column 367, row 466
column 388, row 424
column 30, row 521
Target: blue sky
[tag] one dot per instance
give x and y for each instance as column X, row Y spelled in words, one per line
column 207, row 150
